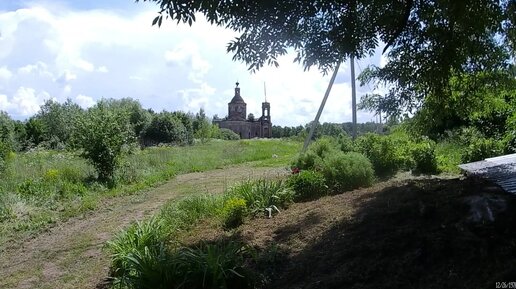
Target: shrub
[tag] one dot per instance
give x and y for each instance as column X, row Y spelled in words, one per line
column 403, row 145
column 323, row 147
column 219, row 265
column 482, row 148
column 312, row 159
column 346, row 144
column 347, row 171
column 234, row 212
column 381, row 151
column 308, row 185
column 308, row 161
column 4, row 155
column 227, row 134
column 166, row 127
column 101, row 136
column 262, row 194
column 424, row 158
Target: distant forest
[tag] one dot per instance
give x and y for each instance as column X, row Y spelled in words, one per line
column 327, row 129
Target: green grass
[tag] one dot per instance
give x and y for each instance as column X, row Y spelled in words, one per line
column 149, row 252
column 42, row 187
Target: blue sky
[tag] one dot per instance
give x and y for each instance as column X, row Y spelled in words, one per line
column 88, row 50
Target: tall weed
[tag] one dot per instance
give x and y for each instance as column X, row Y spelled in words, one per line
column 262, row 194
column 141, row 238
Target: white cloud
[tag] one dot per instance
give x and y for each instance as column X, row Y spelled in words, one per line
column 4, row 103
column 67, row 89
column 103, row 69
column 5, row 73
column 134, row 77
column 40, row 68
column 195, row 98
column 187, row 55
column 66, row 77
column 25, row 101
column 84, row 101
column 84, row 65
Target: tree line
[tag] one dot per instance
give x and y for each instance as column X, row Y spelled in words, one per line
column 326, row 129
column 104, row 132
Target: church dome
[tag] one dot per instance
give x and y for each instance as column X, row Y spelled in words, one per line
column 237, row 98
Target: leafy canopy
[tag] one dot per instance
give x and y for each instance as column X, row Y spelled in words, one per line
column 323, row 32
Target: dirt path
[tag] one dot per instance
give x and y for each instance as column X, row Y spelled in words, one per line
column 71, row 254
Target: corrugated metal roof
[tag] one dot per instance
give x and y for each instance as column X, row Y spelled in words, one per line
column 501, row 170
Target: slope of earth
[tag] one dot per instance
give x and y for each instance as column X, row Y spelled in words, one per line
column 412, row 233
column 71, row 255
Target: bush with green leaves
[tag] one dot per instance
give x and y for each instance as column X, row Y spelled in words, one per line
column 227, row 134
column 347, row 171
column 57, row 123
column 381, row 151
column 234, row 212
column 482, row 148
column 312, row 159
column 324, row 146
column 166, row 127
column 308, row 185
column 346, row 143
column 139, row 118
column 308, row 161
column 403, row 144
column 425, row 160
column 101, row 136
